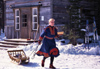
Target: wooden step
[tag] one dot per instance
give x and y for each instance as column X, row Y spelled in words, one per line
column 3, row 48
column 6, row 48
column 13, row 43
column 10, row 46
column 21, row 40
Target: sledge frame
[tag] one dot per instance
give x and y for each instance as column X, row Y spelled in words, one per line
column 18, row 56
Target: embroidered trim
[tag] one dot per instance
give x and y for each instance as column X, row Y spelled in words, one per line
column 48, row 37
column 52, row 31
column 40, row 38
column 54, row 51
column 46, row 28
column 42, row 53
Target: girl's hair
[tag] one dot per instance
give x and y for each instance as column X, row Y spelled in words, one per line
column 51, row 19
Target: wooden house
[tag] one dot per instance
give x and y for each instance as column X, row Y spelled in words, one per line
column 27, row 18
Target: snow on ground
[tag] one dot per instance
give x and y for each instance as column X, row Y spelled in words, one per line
column 71, row 57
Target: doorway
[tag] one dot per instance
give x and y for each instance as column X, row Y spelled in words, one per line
column 25, row 21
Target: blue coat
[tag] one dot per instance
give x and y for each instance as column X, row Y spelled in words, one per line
column 48, row 47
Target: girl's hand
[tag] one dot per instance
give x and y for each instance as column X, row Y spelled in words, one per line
column 39, row 42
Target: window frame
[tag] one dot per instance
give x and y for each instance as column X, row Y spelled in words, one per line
column 33, row 23
column 17, row 23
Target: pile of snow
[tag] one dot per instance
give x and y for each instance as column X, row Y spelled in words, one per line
column 2, row 36
column 65, row 48
column 70, row 49
column 30, row 48
column 62, row 42
column 79, row 49
column 94, row 51
column 80, row 40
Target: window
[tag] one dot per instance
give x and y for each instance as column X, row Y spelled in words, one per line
column 34, row 18
column 17, row 19
column 24, row 20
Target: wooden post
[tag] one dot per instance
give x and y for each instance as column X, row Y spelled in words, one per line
column 29, row 32
column 17, row 34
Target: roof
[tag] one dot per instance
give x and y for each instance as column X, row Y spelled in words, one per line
column 22, row 6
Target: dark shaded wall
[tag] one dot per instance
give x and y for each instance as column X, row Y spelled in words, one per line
column 1, row 14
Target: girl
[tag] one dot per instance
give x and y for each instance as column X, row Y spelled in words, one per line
column 48, row 48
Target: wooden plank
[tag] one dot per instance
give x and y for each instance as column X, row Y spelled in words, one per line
column 21, row 40
column 3, row 48
column 13, row 43
column 10, row 46
column 11, row 22
column 16, row 50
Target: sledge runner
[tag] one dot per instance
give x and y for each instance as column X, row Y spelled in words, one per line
column 48, row 48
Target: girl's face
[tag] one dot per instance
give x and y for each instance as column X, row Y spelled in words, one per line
column 52, row 23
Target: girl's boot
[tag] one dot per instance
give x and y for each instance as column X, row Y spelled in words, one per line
column 42, row 63
column 51, row 66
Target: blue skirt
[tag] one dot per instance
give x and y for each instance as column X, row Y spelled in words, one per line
column 48, row 48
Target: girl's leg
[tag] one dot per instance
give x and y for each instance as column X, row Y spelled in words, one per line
column 44, row 58
column 42, row 64
column 51, row 60
column 51, row 63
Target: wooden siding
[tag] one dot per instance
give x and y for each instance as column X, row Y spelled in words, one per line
column 10, row 16
column 10, row 22
column 45, row 12
column 60, row 11
column 10, row 33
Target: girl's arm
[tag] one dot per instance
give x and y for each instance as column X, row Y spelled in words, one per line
column 43, row 33
column 56, row 35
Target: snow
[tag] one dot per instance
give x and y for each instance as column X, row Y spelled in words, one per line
column 71, row 57
column 2, row 36
column 83, row 29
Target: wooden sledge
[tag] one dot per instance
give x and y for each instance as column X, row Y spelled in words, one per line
column 18, row 56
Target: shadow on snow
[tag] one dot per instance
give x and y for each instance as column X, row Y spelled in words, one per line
column 30, row 64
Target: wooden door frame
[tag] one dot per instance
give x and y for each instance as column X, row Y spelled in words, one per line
column 27, row 13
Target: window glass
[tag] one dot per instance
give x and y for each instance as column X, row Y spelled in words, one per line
column 35, row 25
column 24, row 16
column 17, row 19
column 24, row 20
column 34, row 19
column 17, row 26
column 35, row 11
column 17, row 13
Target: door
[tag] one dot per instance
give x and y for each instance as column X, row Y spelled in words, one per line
column 24, row 22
